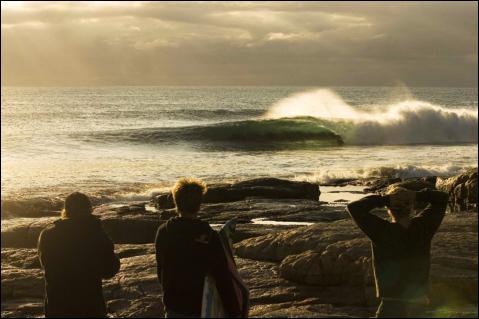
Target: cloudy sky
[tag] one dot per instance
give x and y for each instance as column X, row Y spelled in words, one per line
column 239, row 43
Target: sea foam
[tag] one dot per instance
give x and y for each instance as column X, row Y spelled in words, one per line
column 406, row 122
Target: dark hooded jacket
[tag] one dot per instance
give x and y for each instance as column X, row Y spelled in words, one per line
column 401, row 256
column 187, row 250
column 76, row 254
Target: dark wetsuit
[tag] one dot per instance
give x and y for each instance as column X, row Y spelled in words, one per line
column 75, row 255
column 187, row 249
column 401, row 256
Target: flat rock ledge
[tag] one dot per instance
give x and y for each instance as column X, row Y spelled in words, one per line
column 322, row 270
column 336, row 254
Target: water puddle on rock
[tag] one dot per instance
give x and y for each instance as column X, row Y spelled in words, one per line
column 331, row 195
column 265, row 221
column 341, row 195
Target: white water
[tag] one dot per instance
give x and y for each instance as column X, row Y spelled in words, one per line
column 398, row 171
column 407, row 122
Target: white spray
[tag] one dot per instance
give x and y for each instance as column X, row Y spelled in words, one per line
column 407, row 122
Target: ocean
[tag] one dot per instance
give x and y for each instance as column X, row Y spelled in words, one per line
column 127, row 143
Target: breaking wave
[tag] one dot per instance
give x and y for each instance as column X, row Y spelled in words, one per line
column 261, row 131
column 321, row 116
column 406, row 122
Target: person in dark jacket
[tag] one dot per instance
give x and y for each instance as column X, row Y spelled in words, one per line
column 188, row 249
column 401, row 248
column 76, row 254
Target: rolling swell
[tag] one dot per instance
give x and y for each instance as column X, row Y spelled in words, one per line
column 264, row 132
column 319, row 118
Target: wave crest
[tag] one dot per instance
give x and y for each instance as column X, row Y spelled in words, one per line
column 318, row 118
column 407, row 122
column 264, row 132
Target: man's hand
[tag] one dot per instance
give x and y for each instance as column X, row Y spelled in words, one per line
column 402, row 200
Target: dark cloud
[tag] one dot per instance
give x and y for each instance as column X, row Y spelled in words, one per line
column 240, row 43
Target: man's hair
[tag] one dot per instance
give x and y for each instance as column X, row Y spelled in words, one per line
column 403, row 209
column 188, row 194
column 77, row 205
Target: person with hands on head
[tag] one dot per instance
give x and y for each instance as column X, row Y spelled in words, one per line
column 401, row 248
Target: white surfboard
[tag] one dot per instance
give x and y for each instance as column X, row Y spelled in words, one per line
column 212, row 305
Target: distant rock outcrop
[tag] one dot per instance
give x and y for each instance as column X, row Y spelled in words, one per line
column 462, row 190
column 122, row 227
column 34, row 207
column 260, row 187
column 381, row 185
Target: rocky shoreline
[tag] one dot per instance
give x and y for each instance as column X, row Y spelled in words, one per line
column 319, row 269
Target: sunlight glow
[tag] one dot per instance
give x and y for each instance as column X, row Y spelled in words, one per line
column 13, row 4
column 114, row 3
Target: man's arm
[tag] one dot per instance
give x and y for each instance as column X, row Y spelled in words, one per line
column 373, row 226
column 111, row 264
column 431, row 217
column 108, row 262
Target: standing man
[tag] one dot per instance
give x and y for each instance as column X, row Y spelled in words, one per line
column 76, row 254
column 401, row 248
column 187, row 249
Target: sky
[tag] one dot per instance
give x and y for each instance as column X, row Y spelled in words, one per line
column 96, row 43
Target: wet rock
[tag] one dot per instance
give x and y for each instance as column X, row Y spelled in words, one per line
column 270, row 294
column 376, row 185
column 123, row 227
column 302, row 210
column 20, row 258
column 245, row 231
column 260, row 187
column 33, row 207
column 319, row 270
column 310, row 308
column 136, row 229
column 275, row 247
column 342, row 263
column 135, row 290
column 128, row 250
column 23, row 232
column 22, row 308
column 18, row 283
column 414, row 184
column 130, row 209
column 334, row 254
column 342, row 182
column 462, row 190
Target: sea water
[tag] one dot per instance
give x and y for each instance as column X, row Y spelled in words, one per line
column 130, row 142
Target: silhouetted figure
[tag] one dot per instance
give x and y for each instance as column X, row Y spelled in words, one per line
column 401, row 248
column 76, row 254
column 187, row 249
